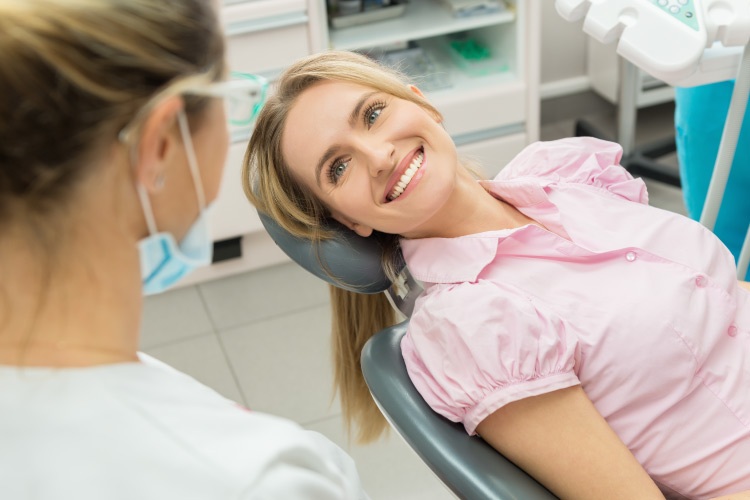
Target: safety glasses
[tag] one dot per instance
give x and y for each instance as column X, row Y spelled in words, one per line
column 243, row 95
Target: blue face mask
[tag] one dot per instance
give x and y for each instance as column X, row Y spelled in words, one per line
column 163, row 261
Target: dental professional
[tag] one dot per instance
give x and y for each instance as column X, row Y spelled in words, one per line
column 112, row 143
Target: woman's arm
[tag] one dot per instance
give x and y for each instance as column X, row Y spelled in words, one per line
column 744, row 284
column 561, row 440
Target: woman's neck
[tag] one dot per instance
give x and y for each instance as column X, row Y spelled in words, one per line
column 470, row 209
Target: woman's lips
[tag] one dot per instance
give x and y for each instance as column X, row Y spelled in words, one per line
column 405, row 173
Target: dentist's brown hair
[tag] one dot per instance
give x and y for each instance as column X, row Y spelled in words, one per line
column 74, row 73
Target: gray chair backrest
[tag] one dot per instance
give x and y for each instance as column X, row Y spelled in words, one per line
column 468, row 466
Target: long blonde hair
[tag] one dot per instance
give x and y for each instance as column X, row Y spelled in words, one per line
column 74, row 73
column 269, row 185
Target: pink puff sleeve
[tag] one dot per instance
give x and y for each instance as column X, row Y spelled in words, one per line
column 475, row 347
column 582, row 160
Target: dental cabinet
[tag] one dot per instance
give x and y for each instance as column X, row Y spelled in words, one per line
column 490, row 107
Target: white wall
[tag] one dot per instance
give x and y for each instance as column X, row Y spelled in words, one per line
column 563, row 54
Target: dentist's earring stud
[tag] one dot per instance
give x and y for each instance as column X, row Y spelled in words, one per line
column 159, row 182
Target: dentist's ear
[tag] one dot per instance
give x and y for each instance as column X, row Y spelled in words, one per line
column 158, row 142
column 360, row 229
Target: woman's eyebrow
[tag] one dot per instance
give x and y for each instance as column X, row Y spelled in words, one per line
column 352, row 121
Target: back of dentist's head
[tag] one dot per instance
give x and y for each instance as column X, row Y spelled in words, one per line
column 269, row 185
column 74, row 73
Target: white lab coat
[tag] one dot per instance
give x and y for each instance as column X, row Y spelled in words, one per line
column 146, row 431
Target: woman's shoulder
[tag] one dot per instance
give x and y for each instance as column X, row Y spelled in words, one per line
column 576, row 160
column 475, row 346
column 570, row 158
column 486, row 305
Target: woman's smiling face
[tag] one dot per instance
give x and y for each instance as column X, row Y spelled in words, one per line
column 375, row 160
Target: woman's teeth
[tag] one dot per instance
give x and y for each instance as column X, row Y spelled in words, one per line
column 407, row 176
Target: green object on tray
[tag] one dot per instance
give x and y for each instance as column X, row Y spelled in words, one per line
column 470, row 49
column 473, row 56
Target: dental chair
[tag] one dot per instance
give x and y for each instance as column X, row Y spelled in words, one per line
column 467, row 465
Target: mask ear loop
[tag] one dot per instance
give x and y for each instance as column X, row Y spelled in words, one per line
column 192, row 160
column 148, row 213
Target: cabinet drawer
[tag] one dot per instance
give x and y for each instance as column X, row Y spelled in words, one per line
column 232, row 214
column 269, row 49
column 473, row 109
column 491, row 155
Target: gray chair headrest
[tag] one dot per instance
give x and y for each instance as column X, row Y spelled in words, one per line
column 354, row 260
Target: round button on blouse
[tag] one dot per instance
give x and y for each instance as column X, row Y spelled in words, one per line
column 630, row 256
column 700, row 281
column 732, row 331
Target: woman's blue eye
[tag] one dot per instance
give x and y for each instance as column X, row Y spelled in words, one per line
column 374, row 114
column 340, row 169
column 337, row 170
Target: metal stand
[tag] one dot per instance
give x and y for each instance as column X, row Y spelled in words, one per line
column 725, row 157
column 639, row 161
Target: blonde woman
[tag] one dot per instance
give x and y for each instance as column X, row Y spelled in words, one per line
column 601, row 344
column 113, row 137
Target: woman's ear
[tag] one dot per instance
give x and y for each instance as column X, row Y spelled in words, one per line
column 416, row 90
column 363, row 231
column 158, row 142
column 360, row 229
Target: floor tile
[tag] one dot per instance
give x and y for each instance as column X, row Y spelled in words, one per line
column 552, row 132
column 388, row 468
column 655, row 122
column 284, row 365
column 203, row 359
column 171, row 316
column 652, row 123
column 573, row 106
column 262, row 294
column 665, row 196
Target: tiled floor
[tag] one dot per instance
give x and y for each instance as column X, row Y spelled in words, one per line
column 262, row 338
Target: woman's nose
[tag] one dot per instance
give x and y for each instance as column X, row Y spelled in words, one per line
column 382, row 158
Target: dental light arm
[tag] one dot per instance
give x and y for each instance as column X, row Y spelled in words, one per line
column 668, row 38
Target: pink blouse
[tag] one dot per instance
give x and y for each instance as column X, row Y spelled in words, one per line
column 639, row 305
